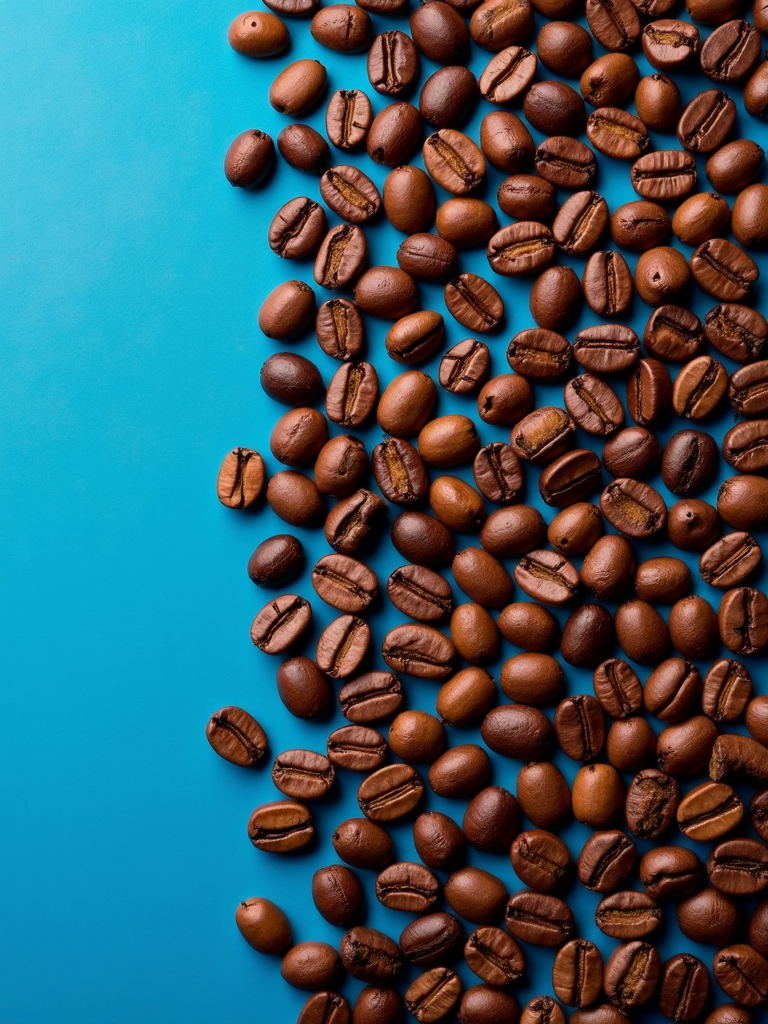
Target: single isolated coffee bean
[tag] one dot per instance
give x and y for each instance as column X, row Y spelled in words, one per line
column 476, row 895
column 298, row 87
column 507, row 75
column 303, row 774
column 628, row 915
column 236, row 736
column 338, row 895
column 673, row 334
column 281, row 826
column 709, row 917
column 258, row 34
column 291, row 379
column 563, row 47
column 371, row 956
column 609, row 566
column 263, row 925
column 609, row 80
column 287, row 310
column 633, row 508
column 241, row 478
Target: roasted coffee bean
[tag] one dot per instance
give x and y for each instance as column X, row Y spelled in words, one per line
column 312, row 966
column 399, row 471
column 303, row 774
column 702, row 216
column 683, row 988
column 564, row 47
column 416, row 736
column 390, row 293
column 577, row 973
column 427, row 257
column 304, row 149
column 742, row 973
column 547, row 577
column 448, row 96
column 418, row 650
column 395, row 135
column 420, row 593
column 422, row 539
column 507, row 75
column 325, row 1006
column 593, row 405
column 633, row 508
column 610, row 80
column 350, row 193
column 298, row 87
column 297, row 228
column 632, row 974
column 280, row 623
column 281, row 826
column 484, row 1004
column 706, row 121
column 390, row 793
column 670, row 872
column 433, row 939
column 241, row 478
column 692, row 627
column 531, row 678
column 352, row 394
column 474, row 303
column 739, row 867
column 407, row 886
column 530, row 626
column 756, row 92
column 606, row 859
column 661, row 275
column 631, row 744
column 505, row 141
column 741, row 334
column 499, row 23
column 433, row 994
column 344, row 583
column 526, row 197
column 409, row 199
column 406, row 404
column 657, row 102
column 538, row 918
column 756, row 718
column 248, row 158
column 743, row 620
column 393, row 63
column 357, row 748
column 460, row 772
column 709, row 917
column 669, row 44
column 440, row 34
column 466, row 697
column 287, row 310
column 482, row 577
column 739, row 757
column 724, row 270
column 517, row 731
column 491, row 819
column 741, row 501
column 543, row 794
column 617, row 133
column 298, row 436
column 729, row 1014
column 371, row 956
column 542, row 1010
column 341, row 466
column 652, row 800
column 338, row 895
column 692, row 525
column 674, row 334
column 735, row 165
column 614, row 24
column 639, row 225
column 494, row 956
column 521, row 248
column 749, row 221
column 464, row 367
column 555, row 298
column 758, row 928
column 729, row 562
column 258, row 34
column 617, row 688
column 633, row 452
column 476, row 895
column 709, row 811
column 580, row 727
column 608, row 568
column 361, row 843
column 597, row 796
column 540, row 860
column 447, row 441
column 236, row 736
column 438, row 840
column 587, row 635
column 576, row 528
column 512, row 531
column 628, row 915
column 340, row 333
column 566, row 162
column 662, row 579
column 354, row 521
column 744, row 446
column 456, row 504
column 263, row 925
column 649, row 392
column 348, row 118
column 454, row 161
column 607, row 284
column 554, row 108
column 684, row 749
column 342, row 646
column 689, row 462
column 303, row 688
column 731, row 51
column 342, row 255
column 497, row 472
column 371, row 697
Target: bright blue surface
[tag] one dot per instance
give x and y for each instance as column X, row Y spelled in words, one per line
column 131, row 275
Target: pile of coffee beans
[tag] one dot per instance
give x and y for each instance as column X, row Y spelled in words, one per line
column 440, row 383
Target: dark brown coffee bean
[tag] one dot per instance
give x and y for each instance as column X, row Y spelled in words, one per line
column 554, row 108
column 593, row 405
column 350, row 193
column 433, row 939
column 290, row 379
column 338, row 895
column 709, row 811
column 348, row 118
column 494, row 956
column 236, row 736
column 441, row 34
column 433, row 994
column 639, row 225
column 683, row 988
column 606, row 859
column 512, row 531
column 547, row 577
column 280, row 623
column 474, row 302
column 607, row 284
column 263, row 925
column 709, row 917
column 530, row 626
column 735, row 757
column 577, row 973
column 632, row 974
column 744, row 446
column 692, row 623
column 758, row 928
column 341, row 334
column 422, row 539
column 352, row 394
column 395, row 135
column 658, row 104
column 505, row 141
column 505, row 399
column 531, row 678
column 669, row 44
column 542, row 1010
column 357, row 748
column 538, row 918
column 689, row 462
column 580, row 727
column 749, row 221
column 587, row 635
column 303, row 688
column 564, row 47
column 526, row 197
column 298, row 436
column 631, row 744
column 617, row 133
column 517, row 731
column 617, row 688
column 407, row 886
column 303, row 774
column 427, row 257
column 491, row 819
column 521, row 248
column 633, row 508
column 399, row 471
column 741, row 334
column 555, row 298
column 248, row 158
column 724, row 270
column 566, row 162
column 342, row 646
column 371, row 697
column 354, row 521
column 543, row 794
column 706, row 121
column 674, row 334
column 631, row 452
column 409, row 199
column 727, row 689
column 361, row 843
column 371, row 956
column 540, row 860
column 743, row 620
column 610, row 80
column 418, row 650
column 241, row 478
column 393, row 63
column 756, row 718
column 652, row 800
column 742, row 973
column 341, row 257
column 614, row 23
column 507, row 75
column 539, row 354
column 297, row 228
column 448, row 96
column 731, row 51
column 608, row 568
column 456, row 504
column 420, row 593
column 464, row 367
column 476, row 895
column 756, row 92
column 649, row 392
column 627, row 915
column 499, row 23
column 325, row 1006
column 670, row 872
column 304, row 149
column 281, row 826
column 576, row 528
column 341, row 466
column 438, row 840
column 692, row 525
column 739, row 867
column 390, row 793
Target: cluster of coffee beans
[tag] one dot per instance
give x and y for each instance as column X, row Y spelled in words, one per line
column 587, row 584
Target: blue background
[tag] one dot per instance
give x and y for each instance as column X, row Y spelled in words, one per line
column 130, row 279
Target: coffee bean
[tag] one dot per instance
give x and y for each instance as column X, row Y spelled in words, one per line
column 744, row 446
column 390, row 793
column 342, row 646
column 657, row 102
column 526, row 197
column 466, row 222
column 448, row 96
column 617, row 133
column 729, row 561
column 438, row 840
column 494, row 956
column 418, row 650
column 739, row 757
column 543, row 794
column 474, row 303
column 325, row 1006
column 303, row 774
column 416, row 736
column 481, row 1004
column 684, row 987
column 298, row 87
column 756, row 718
column 670, row 872
column 632, row 974
column 758, row 928
column 731, row 51
column 628, row 915
column 263, row 925
column 597, row 796
column 407, row 886
column 304, row 149
column 497, row 472
column 566, row 162
column 547, row 577
column 577, row 973
column 241, row 478
column 507, row 74
column 427, row 257
column 420, row 593
column 540, row 860
column 739, row 867
column 454, row 161
column 460, row 771
column 608, row 568
column 432, row 940
column 633, row 508
column 338, row 895
column 607, row 284
column 610, row 80
column 371, row 956
column 440, row 34
column 513, row 531
column 258, row 34
column 580, row 727
column 649, row 392
column 371, row 697
column 632, row 452
column 476, row 895
column 354, row 521
column 685, row 749
column 741, row 334
column 593, row 405
column 344, row 583
column 290, row 379
column 297, row 229
column 447, row 441
column 670, row 44
column 689, row 462
column 614, row 24
column 587, row 635
column 236, row 736
column 456, row 504
column 606, row 859
column 617, row 688
column 539, row 354
column 749, row 221
column 735, row 165
column 433, row 994
column 362, row 844
column 756, row 92
column 422, row 539
column 409, row 199
column 639, row 225
column 542, row 1010
column 521, row 248
column 743, row 620
column 248, row 158
column 724, row 270
column 393, row 63
column 673, row 334
column 464, row 367
column 466, row 697
column 661, row 275
column 517, row 731
column 631, row 744
column 692, row 525
column 706, row 121
column 652, row 800
column 474, row 634
column 531, row 678
column 741, row 502
column 357, row 748
column 281, row 826
column 564, row 47
column 287, row 310
column 280, row 623
column 491, row 820
column 700, row 217
column 298, row 436
column 709, row 811
column 742, row 973
column 555, row 298
column 505, row 141
column 341, row 257
column 348, row 118
column 350, row 193
column 399, row 471
column 390, row 293
column 662, row 579
column 709, row 917
column 395, row 135
column 538, row 918
column 303, row 688
column 554, row 108
column 577, row 228
column 576, row 528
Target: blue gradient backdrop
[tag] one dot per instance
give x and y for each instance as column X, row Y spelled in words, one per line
column 129, row 354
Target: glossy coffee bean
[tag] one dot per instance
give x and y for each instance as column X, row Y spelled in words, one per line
column 363, row 844
column 491, row 819
column 371, row 956
column 633, row 508
column 407, row 886
column 341, row 257
column 538, row 918
column 606, row 859
column 248, row 158
column 390, row 792
column 433, row 939
column 353, row 522
column 576, row 529
column 236, row 736
column 608, row 289
column 632, row 974
column 281, row 826
column 241, row 478
column 474, row 302
column 507, row 75
column 627, row 915
column 377, row 1005
column 739, row 867
column 460, row 772
column 580, row 727
column 438, row 840
column 702, row 216
column 356, row 748
column 371, row 697
column 685, row 749
column 348, row 118
column 652, row 800
column 564, row 47
column 649, row 392
column 670, row 872
column 658, row 104
column 609, row 80
column 494, row 956
column 418, row 650
column 542, row 1010
column 617, row 688
column 476, row 895
column 263, row 925
column 709, row 917
column 543, row 794
column 609, row 566
column 338, row 895
column 742, row 973
column 297, row 229
column 566, row 162
column 588, row 635
column 526, row 197
column 689, row 462
column 530, row 626
column 416, row 736
column 598, row 796
column 709, row 811
column 280, row 623
column 631, row 744
column 683, row 988
column 540, row 860
column 448, row 96
column 497, row 472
